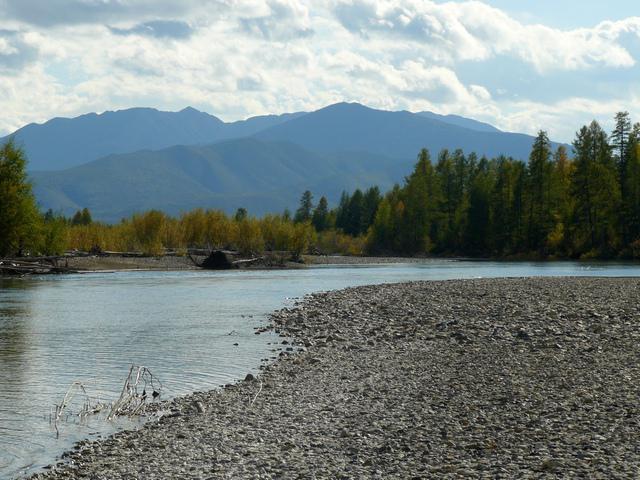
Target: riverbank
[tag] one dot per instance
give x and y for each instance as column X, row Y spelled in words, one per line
column 97, row 263
column 474, row 378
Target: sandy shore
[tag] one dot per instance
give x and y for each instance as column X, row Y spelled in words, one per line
column 360, row 260
column 101, row 263
column 506, row 378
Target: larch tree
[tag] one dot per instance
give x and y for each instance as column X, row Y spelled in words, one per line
column 621, row 150
column 421, row 206
column 595, row 190
column 19, row 216
column 538, row 185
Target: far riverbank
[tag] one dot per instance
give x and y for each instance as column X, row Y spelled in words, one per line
column 97, row 263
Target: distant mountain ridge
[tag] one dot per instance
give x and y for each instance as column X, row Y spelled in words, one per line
column 68, row 142
column 132, row 160
column 260, row 176
column 355, row 128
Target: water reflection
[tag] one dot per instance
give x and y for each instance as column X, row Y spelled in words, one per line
column 15, row 311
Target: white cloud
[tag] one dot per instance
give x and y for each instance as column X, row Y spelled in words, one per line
column 565, row 117
column 236, row 58
column 475, row 31
column 282, row 20
column 50, row 13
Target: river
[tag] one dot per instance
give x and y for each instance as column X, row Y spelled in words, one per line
column 193, row 329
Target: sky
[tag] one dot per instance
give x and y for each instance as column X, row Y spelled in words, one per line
column 520, row 65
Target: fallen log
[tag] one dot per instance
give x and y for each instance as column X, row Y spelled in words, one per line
column 246, row 261
column 13, row 267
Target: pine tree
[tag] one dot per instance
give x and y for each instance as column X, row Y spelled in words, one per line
column 320, row 215
column 305, row 210
column 355, row 214
column 372, row 199
column 538, row 185
column 421, row 207
column 506, row 206
column 449, row 185
column 561, row 203
column 596, row 192
column 476, row 235
column 241, row 214
column 342, row 212
column 86, row 217
column 620, row 145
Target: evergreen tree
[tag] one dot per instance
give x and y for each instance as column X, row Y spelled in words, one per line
column 355, row 216
column 538, row 186
column 620, row 145
column 561, row 203
column 82, row 217
column 595, row 191
column 421, row 207
column 506, row 206
column 320, row 218
column 449, row 185
column 86, row 217
column 478, row 214
column 241, row 214
column 342, row 212
column 304, row 212
column 372, row 199
column 77, row 218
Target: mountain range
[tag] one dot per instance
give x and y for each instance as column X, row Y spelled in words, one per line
column 117, row 163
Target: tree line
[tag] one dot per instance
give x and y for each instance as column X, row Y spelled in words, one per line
column 587, row 206
column 583, row 204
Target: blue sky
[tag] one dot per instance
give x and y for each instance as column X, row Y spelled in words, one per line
column 567, row 13
column 520, row 65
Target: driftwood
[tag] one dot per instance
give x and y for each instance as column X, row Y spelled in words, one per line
column 246, row 261
column 33, row 265
column 140, row 388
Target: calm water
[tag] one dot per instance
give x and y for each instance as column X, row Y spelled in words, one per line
column 182, row 325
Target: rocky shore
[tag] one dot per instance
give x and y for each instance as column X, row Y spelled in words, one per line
column 507, row 378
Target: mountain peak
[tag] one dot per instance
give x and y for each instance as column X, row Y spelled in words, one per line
column 345, row 106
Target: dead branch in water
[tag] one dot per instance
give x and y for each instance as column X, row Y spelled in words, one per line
column 88, row 406
column 130, row 403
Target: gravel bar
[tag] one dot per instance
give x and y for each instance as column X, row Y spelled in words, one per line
column 501, row 378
